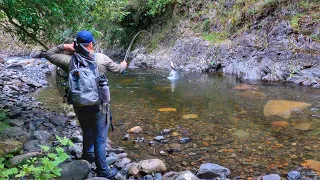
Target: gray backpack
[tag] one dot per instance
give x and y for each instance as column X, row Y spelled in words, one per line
column 83, row 81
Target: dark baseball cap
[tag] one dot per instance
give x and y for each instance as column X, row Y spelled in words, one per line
column 85, row 36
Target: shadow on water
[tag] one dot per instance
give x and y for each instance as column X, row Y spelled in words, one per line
column 231, row 129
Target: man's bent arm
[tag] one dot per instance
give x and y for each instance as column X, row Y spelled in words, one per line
column 112, row 66
column 56, row 57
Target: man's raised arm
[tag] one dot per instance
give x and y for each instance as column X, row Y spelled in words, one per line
column 56, row 57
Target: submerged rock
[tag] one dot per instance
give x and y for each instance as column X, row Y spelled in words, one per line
column 283, row 108
column 271, row 177
column 190, row 116
column 211, row 171
column 280, row 124
column 303, row 126
column 167, row 109
column 312, row 164
column 136, row 129
column 245, row 87
column 253, row 94
column 241, row 133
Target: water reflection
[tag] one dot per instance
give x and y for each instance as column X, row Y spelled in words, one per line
column 230, row 129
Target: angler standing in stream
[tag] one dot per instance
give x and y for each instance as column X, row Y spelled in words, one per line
column 88, row 92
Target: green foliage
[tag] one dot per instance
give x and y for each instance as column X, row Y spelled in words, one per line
column 155, row 7
column 47, row 20
column 44, row 167
column 55, row 21
column 3, row 121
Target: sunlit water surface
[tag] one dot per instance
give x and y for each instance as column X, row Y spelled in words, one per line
column 231, row 129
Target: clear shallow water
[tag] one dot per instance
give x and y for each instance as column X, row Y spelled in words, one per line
column 231, row 129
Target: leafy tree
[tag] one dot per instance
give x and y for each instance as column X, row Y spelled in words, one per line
column 52, row 21
column 44, row 21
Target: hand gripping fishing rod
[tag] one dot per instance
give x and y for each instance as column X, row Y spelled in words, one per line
column 129, row 48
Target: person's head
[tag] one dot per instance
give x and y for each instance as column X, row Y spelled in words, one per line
column 86, row 39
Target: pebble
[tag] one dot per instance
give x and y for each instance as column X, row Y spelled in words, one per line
column 159, row 138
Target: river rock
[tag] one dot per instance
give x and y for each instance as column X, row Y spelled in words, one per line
column 76, row 149
column 245, row 87
column 16, row 67
column 271, row 177
column 303, row 126
column 170, row 175
column 136, row 129
column 312, row 164
column 184, row 140
column 190, row 116
column 34, row 145
column 15, row 133
column 18, row 159
column 97, row 178
column 211, row 171
column 42, row 135
column 175, row 146
column 253, row 94
column 167, row 109
column 186, row 175
column 15, row 113
column 78, row 169
column 16, row 122
column 8, row 146
column 58, row 120
column 77, row 139
column 71, row 115
column 294, row 175
column 122, row 163
column 152, row 165
column 159, row 138
column 280, row 124
column 241, row 133
column 282, row 108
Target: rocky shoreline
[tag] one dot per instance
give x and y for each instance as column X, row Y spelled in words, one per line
column 268, row 51
column 32, row 125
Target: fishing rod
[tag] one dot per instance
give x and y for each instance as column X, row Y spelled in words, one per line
column 134, row 38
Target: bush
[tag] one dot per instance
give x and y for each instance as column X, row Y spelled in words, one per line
column 44, row 167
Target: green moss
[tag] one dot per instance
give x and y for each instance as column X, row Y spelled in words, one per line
column 294, row 22
column 215, row 37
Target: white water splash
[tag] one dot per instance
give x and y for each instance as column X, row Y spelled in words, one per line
column 173, row 75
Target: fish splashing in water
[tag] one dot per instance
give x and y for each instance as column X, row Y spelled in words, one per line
column 173, row 73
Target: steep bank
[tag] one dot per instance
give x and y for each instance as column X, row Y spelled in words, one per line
column 271, row 41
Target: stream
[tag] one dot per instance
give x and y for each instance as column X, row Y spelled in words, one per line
column 223, row 119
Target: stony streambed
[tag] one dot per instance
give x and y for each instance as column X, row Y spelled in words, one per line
column 173, row 141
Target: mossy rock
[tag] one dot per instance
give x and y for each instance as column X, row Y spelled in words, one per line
column 9, row 146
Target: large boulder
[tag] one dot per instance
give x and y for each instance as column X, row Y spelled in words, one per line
column 78, row 169
column 211, row 171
